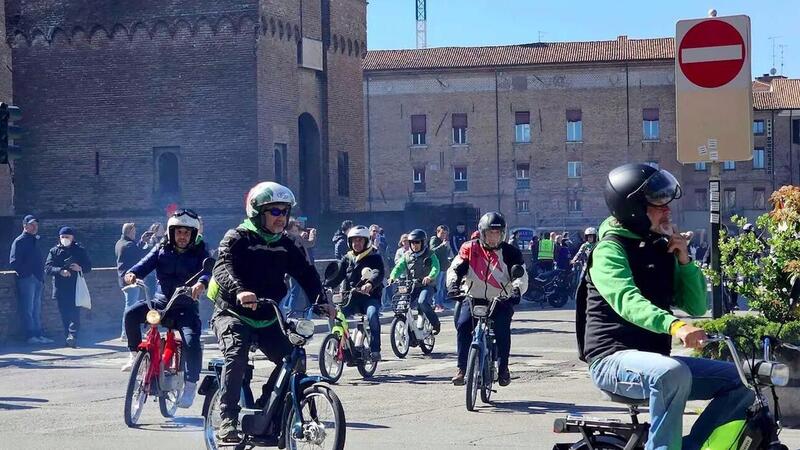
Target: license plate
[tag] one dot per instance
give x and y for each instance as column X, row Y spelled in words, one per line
column 337, row 298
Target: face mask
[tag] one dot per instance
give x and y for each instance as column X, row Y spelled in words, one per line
column 66, row 242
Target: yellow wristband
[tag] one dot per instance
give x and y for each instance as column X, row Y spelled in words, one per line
column 675, row 326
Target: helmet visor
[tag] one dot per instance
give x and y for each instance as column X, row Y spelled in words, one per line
column 660, row 189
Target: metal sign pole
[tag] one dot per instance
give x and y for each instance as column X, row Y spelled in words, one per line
column 714, row 196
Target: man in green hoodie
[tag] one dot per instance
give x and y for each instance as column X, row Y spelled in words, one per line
column 637, row 273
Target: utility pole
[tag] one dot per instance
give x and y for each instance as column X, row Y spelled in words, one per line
column 422, row 24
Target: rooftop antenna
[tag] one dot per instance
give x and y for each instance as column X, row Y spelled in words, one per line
column 422, row 24
column 773, row 39
column 541, row 33
column 782, row 47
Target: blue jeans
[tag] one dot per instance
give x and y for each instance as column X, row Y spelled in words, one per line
column 295, row 299
column 371, row 307
column 441, row 289
column 131, row 297
column 669, row 382
column 29, row 305
column 423, row 304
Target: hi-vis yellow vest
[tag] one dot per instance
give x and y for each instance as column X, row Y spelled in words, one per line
column 545, row 249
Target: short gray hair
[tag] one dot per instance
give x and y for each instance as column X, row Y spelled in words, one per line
column 127, row 227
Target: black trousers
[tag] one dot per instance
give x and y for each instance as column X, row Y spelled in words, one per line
column 235, row 338
column 70, row 314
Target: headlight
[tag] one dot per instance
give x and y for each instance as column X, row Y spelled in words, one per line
column 480, row 310
column 304, row 328
column 153, row 317
column 402, row 289
column 768, row 373
column 337, row 299
column 779, row 374
column 296, row 339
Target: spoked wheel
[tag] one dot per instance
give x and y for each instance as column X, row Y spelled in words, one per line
column 136, row 394
column 212, row 421
column 330, row 364
column 426, row 345
column 472, row 377
column 399, row 337
column 324, row 426
column 559, row 299
column 168, row 401
column 367, row 367
column 487, row 378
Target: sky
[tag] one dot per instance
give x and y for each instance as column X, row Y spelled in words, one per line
column 391, row 24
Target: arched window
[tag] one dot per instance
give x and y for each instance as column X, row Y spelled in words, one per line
column 280, row 163
column 168, row 174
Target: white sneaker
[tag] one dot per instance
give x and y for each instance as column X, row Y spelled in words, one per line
column 131, row 361
column 189, row 391
column 45, row 340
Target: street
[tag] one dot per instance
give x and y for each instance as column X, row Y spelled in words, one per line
column 72, row 398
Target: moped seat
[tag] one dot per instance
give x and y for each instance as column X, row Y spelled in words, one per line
column 624, row 400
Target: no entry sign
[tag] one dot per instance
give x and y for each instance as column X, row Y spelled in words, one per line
column 712, row 53
column 713, row 89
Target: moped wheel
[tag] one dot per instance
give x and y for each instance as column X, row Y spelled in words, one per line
column 136, row 395
column 399, row 337
column 472, row 377
column 331, row 365
column 487, row 377
column 168, row 400
column 367, row 367
column 426, row 345
column 558, row 299
column 324, row 426
column 212, row 421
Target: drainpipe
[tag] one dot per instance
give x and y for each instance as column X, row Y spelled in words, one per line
column 369, row 153
column 497, row 134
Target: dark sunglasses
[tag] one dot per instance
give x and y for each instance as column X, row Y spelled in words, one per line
column 185, row 212
column 277, row 212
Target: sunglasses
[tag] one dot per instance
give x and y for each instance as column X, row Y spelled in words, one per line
column 277, row 212
column 185, row 212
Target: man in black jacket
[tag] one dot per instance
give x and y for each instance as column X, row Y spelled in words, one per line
column 367, row 286
column 128, row 253
column 253, row 260
column 27, row 261
column 66, row 262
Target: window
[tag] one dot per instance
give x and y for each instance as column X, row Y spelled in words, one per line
column 701, row 199
column 729, row 165
column 758, row 127
column 650, row 126
column 653, row 164
column 97, row 163
column 459, row 128
column 574, row 205
column 523, row 206
column 730, row 199
column 574, row 125
column 700, row 166
column 418, row 129
column 280, row 163
column 522, row 126
column 419, row 180
column 460, row 179
column 759, row 198
column 168, row 179
column 758, row 158
column 574, row 169
column 523, row 176
column 344, row 174
column 796, row 131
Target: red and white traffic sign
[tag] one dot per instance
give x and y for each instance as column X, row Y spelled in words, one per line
column 713, row 89
column 711, row 53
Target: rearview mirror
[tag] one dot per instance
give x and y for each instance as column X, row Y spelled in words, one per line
column 331, row 272
column 208, row 264
column 517, row 271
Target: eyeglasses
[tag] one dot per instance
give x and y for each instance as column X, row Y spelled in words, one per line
column 185, row 212
column 277, row 212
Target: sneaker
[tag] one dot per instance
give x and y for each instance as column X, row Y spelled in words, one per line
column 438, row 309
column 45, row 340
column 123, row 338
column 504, row 378
column 131, row 361
column 437, row 328
column 34, row 340
column 375, row 356
column 71, row 341
column 189, row 391
column 227, row 431
column 458, row 380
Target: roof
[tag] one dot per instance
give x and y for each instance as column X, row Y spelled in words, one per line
column 783, row 93
column 620, row 50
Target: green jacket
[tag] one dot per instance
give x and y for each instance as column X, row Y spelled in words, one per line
column 401, row 267
column 613, row 279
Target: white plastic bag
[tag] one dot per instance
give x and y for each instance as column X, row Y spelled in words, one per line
column 82, row 297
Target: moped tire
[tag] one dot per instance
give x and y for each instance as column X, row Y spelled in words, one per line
column 366, row 368
column 312, row 404
column 133, row 407
column 330, row 366
column 472, row 378
column 399, row 337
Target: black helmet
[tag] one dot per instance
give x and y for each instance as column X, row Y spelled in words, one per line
column 491, row 221
column 418, row 235
column 632, row 187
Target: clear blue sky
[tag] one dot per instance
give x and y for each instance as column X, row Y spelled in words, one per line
column 391, row 23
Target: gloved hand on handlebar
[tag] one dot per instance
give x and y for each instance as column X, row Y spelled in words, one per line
column 247, row 299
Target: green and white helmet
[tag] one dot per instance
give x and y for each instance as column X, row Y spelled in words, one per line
column 267, row 193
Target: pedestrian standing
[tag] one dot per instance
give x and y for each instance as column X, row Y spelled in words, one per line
column 440, row 245
column 128, row 253
column 340, row 240
column 65, row 262
column 27, row 261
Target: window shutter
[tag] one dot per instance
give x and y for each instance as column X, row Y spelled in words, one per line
column 574, row 115
column 522, row 117
column 459, row 121
column 650, row 114
column 418, row 123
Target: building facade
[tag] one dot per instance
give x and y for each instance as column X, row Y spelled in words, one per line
column 130, row 111
column 532, row 130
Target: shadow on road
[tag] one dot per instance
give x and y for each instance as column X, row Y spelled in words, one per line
column 14, row 407
column 365, row 426
column 538, row 407
column 402, row 379
column 539, row 330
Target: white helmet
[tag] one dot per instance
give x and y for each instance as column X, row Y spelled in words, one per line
column 183, row 218
column 267, row 193
column 590, row 230
column 357, row 231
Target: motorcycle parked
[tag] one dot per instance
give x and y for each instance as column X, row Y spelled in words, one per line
column 551, row 287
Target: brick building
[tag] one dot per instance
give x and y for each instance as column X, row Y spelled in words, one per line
column 532, row 130
column 128, row 110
